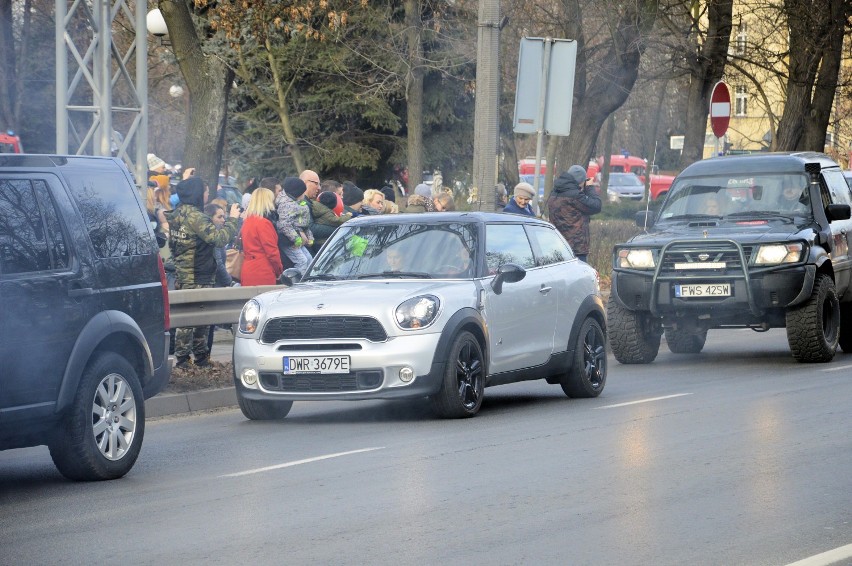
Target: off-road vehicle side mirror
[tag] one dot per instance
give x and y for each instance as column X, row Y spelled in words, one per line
column 645, row 218
column 507, row 273
column 838, row 212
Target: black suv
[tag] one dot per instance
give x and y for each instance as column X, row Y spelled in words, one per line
column 84, row 318
column 756, row 241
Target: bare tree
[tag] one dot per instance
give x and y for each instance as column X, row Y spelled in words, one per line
column 816, row 41
column 209, row 81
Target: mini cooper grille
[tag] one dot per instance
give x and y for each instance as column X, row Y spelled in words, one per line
column 323, row 327
column 698, row 254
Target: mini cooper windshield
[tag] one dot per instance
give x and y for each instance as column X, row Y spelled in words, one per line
column 779, row 195
column 405, row 250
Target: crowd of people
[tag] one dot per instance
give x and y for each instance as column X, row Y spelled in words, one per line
column 276, row 224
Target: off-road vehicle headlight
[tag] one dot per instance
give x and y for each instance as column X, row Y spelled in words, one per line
column 636, row 258
column 249, row 317
column 775, row 254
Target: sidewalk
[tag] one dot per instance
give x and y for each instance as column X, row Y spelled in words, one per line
column 182, row 403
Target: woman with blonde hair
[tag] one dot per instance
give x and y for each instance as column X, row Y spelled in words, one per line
column 157, row 203
column 374, row 202
column 262, row 260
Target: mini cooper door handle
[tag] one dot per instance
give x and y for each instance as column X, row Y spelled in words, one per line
column 544, row 290
column 84, row 292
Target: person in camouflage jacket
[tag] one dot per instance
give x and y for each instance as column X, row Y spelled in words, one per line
column 569, row 206
column 193, row 239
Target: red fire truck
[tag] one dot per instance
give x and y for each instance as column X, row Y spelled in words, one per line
column 10, row 143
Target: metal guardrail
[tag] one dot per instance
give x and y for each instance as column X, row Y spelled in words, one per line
column 217, row 305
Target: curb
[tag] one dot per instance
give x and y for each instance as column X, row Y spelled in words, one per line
column 187, row 403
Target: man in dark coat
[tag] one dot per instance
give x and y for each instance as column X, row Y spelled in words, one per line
column 569, row 207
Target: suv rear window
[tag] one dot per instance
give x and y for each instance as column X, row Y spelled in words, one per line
column 31, row 237
column 111, row 213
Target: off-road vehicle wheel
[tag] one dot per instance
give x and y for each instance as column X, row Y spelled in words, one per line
column 813, row 328
column 463, row 385
column 264, row 410
column 631, row 335
column 684, row 342
column 101, row 435
column 586, row 375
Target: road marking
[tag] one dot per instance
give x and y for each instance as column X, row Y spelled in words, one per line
column 838, row 368
column 830, row 557
column 299, row 462
column 643, row 401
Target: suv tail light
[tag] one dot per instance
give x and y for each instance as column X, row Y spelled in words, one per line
column 166, row 319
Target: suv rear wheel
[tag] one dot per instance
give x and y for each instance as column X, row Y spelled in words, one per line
column 684, row 342
column 586, row 376
column 813, row 328
column 631, row 335
column 101, row 435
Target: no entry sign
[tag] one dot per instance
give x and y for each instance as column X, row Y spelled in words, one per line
column 720, row 109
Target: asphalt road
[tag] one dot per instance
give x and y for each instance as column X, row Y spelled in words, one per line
column 738, row 455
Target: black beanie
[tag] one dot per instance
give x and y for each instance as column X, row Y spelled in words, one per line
column 191, row 191
column 389, row 193
column 294, row 187
column 352, row 194
column 328, row 199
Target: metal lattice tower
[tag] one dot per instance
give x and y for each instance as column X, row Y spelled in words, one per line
column 97, row 94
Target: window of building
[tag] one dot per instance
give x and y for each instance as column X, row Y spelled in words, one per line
column 742, row 39
column 740, row 101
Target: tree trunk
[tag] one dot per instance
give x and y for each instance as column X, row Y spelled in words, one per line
column 8, row 68
column 707, row 69
column 209, row 82
column 613, row 82
column 816, row 36
column 414, row 93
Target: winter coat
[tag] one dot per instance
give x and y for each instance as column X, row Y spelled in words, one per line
column 419, row 203
column 513, row 208
column 294, row 218
column 193, row 236
column 262, row 261
column 569, row 208
column 324, row 223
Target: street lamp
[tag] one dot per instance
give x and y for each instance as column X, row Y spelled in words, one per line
column 157, row 26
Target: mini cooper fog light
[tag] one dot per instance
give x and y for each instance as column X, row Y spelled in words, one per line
column 406, row 374
column 249, row 376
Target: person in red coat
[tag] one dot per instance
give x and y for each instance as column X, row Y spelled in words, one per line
column 262, row 262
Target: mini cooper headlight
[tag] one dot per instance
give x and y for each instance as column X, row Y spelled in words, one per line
column 636, row 258
column 418, row 312
column 775, row 254
column 249, row 317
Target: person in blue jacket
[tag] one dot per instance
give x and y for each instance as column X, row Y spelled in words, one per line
column 520, row 202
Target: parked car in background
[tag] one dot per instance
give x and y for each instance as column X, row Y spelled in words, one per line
column 755, row 241
column 436, row 306
column 638, row 166
column 624, row 186
column 84, row 322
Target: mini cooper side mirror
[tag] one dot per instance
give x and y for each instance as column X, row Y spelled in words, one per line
column 507, row 273
column 291, row 275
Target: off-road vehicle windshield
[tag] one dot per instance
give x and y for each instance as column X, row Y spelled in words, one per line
column 738, row 197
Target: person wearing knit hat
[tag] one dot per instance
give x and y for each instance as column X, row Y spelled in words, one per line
column 193, row 238
column 520, row 203
column 294, row 220
column 156, row 164
column 570, row 205
column 353, row 198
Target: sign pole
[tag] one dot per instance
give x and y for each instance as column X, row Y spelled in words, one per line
column 542, row 106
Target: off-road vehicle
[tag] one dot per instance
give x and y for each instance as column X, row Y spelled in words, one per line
column 84, row 315
column 756, row 241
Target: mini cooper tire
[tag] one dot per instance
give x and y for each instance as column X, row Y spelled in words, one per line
column 685, row 342
column 813, row 328
column 463, row 383
column 631, row 337
column 264, row 410
column 586, row 376
column 101, row 434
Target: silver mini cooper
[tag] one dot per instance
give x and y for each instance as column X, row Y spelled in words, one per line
column 437, row 305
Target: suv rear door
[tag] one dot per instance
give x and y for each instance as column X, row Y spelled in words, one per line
column 47, row 293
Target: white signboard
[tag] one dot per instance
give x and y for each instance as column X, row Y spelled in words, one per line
column 558, row 85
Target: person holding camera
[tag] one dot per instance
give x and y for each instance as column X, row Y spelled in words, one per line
column 570, row 206
column 193, row 238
